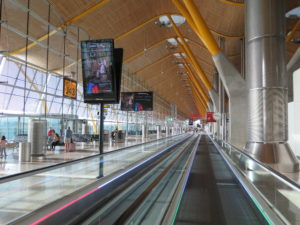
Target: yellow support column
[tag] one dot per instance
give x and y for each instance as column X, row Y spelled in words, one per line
column 293, row 31
column 202, row 29
column 194, row 80
column 199, row 98
column 189, row 53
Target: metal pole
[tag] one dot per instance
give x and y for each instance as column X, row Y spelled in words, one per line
column 47, row 63
column 26, row 59
column 101, row 128
column 127, row 124
column 63, row 76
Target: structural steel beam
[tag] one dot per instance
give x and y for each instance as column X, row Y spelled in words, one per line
column 74, row 19
column 232, row 3
column 117, row 38
column 202, row 28
column 196, row 93
column 34, row 86
column 167, row 14
column 193, row 78
column 198, row 88
column 232, row 80
column 293, row 31
column 189, row 53
column 149, row 48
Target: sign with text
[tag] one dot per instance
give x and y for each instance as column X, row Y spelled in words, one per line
column 210, row 117
column 70, row 88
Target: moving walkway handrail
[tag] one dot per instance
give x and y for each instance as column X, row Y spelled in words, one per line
column 92, row 189
column 171, row 211
column 20, row 175
column 270, row 214
column 275, row 173
column 131, row 209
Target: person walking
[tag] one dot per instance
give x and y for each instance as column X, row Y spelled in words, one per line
column 3, row 144
column 68, row 137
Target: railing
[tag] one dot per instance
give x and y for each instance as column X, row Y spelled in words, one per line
column 277, row 196
column 37, row 189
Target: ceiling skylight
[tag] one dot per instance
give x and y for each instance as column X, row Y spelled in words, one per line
column 178, row 20
column 294, row 13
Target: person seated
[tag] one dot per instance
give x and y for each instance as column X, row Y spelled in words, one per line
column 114, row 134
column 55, row 142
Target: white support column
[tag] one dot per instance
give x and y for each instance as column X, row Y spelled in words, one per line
column 158, row 131
column 144, row 131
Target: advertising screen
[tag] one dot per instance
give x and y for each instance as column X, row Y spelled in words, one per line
column 70, row 88
column 97, row 69
column 137, row 101
column 127, row 101
column 143, row 101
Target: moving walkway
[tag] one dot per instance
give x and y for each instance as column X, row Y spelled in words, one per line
column 187, row 179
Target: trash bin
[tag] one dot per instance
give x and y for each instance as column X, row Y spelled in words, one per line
column 37, row 136
column 24, row 151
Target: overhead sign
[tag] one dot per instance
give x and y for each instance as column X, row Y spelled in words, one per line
column 70, row 88
column 194, row 116
column 170, row 119
column 217, row 116
column 210, row 117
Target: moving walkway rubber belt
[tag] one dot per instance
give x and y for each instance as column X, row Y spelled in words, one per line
column 131, row 209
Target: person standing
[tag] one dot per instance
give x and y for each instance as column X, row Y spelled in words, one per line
column 68, row 137
column 3, row 144
column 51, row 132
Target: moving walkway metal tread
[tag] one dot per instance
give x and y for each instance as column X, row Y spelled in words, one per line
column 213, row 195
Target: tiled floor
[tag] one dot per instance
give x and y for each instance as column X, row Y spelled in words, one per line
column 11, row 165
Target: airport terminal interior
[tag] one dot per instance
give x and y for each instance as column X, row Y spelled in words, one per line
column 150, row 112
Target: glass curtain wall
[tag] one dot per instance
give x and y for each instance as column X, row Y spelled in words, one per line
column 31, row 78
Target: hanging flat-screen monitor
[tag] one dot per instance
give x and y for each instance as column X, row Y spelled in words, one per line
column 118, row 62
column 137, row 101
column 99, row 80
column 127, row 101
column 143, row 101
column 70, row 88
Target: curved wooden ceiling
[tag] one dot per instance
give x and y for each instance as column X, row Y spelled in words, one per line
column 146, row 54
